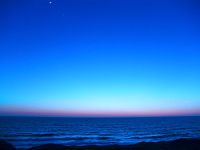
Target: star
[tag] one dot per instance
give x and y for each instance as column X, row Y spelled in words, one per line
column 50, row 2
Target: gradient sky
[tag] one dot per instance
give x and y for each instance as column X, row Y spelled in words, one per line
column 100, row 57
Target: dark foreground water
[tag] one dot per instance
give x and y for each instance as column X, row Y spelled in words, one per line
column 32, row 131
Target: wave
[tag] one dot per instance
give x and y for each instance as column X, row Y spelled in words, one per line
column 48, row 138
column 43, row 135
column 161, row 136
column 30, row 135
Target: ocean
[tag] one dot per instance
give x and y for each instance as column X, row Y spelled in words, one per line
column 25, row 132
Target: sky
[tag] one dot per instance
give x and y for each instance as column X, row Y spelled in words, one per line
column 100, row 57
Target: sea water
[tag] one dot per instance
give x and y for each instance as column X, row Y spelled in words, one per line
column 26, row 132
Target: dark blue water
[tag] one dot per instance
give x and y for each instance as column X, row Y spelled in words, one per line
column 32, row 131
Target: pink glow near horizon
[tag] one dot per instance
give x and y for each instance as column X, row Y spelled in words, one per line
column 44, row 112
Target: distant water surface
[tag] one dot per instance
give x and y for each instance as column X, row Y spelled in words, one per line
column 25, row 132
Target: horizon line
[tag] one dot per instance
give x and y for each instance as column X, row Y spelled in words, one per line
column 92, row 116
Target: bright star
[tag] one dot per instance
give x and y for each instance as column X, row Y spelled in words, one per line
column 50, row 2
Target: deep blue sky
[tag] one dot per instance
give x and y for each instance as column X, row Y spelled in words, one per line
column 138, row 57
